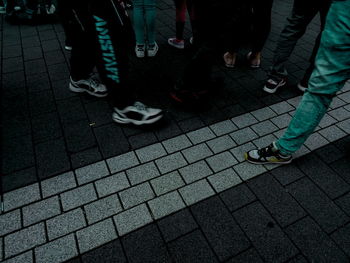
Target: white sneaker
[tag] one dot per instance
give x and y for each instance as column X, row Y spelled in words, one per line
column 152, row 50
column 174, row 42
column 91, row 86
column 137, row 114
column 140, row 51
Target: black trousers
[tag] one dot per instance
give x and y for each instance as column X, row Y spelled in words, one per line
column 102, row 37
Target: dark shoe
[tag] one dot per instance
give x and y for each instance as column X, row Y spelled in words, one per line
column 91, row 86
column 272, row 84
column 137, row 114
column 269, row 154
column 302, row 85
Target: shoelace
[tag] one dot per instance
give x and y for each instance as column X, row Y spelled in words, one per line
column 265, row 151
column 95, row 83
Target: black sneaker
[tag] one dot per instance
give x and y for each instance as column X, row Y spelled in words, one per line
column 272, row 84
column 302, row 85
column 91, row 86
column 137, row 114
column 269, row 154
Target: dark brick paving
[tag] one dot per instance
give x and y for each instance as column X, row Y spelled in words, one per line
column 48, row 130
column 281, row 216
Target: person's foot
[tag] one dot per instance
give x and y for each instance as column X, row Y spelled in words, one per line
column 229, row 59
column 68, row 45
column 254, row 59
column 2, row 10
column 174, row 42
column 91, row 86
column 269, row 154
column 152, row 50
column 137, row 114
column 302, row 85
column 272, row 84
column 140, row 51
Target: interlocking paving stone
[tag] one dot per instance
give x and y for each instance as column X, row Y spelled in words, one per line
column 18, row 179
column 201, row 135
column 136, row 195
column 287, row 174
column 330, row 153
column 223, row 127
column 96, row 235
column 327, row 120
column 122, row 162
column 142, row 173
column 221, row 144
column 221, row 161
column 65, row 223
column 102, row 208
column 243, row 136
column 345, row 96
column 237, row 197
column 341, row 237
column 41, row 210
column 197, row 152
column 263, row 114
column 151, row 152
column 344, row 203
column 332, row 133
column 1, row 246
column 192, row 247
column 112, row 184
column 220, row 229
column 281, row 107
column 23, row 258
column 10, row 222
column 195, row 172
column 314, row 243
column 247, row 256
column 171, row 162
column 244, row 120
column 91, row 172
column 132, row 219
column 264, row 141
column 166, row 204
column 282, row 121
column 110, row 253
column 150, row 246
column 59, row 250
column 345, row 126
column 247, row 170
column 78, row 196
column 142, row 139
column 340, row 114
column 85, row 157
column 318, row 205
column 267, row 237
column 167, row 183
column 58, row 184
column 21, row 197
column 196, row 192
column 284, row 209
column 177, row 225
column 24, row 239
column 224, row 180
column 264, row 128
column 177, row 144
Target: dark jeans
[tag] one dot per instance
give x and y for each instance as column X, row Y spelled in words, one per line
column 181, row 7
column 102, row 37
column 302, row 14
column 253, row 16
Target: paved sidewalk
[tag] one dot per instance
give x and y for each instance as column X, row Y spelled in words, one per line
column 76, row 186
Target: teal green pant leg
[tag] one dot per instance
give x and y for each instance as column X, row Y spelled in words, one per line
column 332, row 70
column 144, row 21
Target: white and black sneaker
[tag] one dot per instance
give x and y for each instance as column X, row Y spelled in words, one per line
column 272, row 85
column 137, row 114
column 91, row 86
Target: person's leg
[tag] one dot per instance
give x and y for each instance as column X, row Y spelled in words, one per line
column 332, row 70
column 139, row 22
column 323, row 10
column 150, row 18
column 302, row 14
column 180, row 6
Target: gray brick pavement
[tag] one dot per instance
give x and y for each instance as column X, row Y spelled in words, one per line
column 10, row 222
column 22, row 196
column 91, row 172
column 166, row 204
column 167, row 183
column 58, row 184
column 78, row 196
column 112, row 184
column 136, row 195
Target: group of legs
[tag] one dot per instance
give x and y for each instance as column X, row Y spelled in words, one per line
column 107, row 29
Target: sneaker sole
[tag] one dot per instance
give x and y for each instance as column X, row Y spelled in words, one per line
column 250, row 161
column 76, row 89
column 266, row 89
column 173, row 45
column 116, row 118
column 301, row 88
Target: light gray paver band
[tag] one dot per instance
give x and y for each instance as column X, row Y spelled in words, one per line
column 136, row 194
